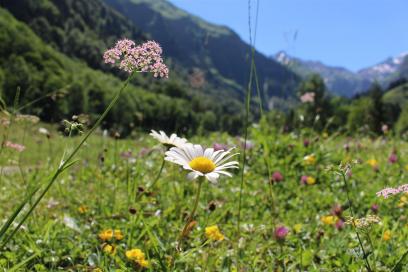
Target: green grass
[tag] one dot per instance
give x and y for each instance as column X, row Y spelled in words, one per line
column 59, row 237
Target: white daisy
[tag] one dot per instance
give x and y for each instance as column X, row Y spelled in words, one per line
column 167, row 141
column 200, row 162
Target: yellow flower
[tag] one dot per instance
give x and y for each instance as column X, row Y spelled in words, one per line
column 137, row 256
column 109, row 234
column 329, row 220
column 310, row 159
column 106, row 235
column 297, row 228
column 387, row 235
column 403, row 201
column 373, row 163
column 118, row 235
column 325, row 135
column 143, row 263
column 109, row 249
column 213, row 233
column 97, row 270
column 83, row 209
column 310, row 180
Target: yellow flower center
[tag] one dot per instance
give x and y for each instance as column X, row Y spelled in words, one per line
column 202, row 164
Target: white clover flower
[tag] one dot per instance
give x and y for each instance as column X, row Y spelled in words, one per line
column 202, row 162
column 172, row 141
column 43, row 131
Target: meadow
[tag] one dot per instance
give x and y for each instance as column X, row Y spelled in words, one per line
column 112, row 187
column 76, row 197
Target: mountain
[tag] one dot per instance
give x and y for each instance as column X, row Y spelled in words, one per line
column 338, row 80
column 217, row 51
column 343, row 82
column 385, row 71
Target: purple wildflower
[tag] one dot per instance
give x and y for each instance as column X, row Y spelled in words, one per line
column 374, row 208
column 393, row 158
column 277, row 176
column 281, row 232
column 142, row 58
column 126, row 154
column 303, row 180
column 337, row 210
column 339, row 224
column 218, row 147
column 306, row 143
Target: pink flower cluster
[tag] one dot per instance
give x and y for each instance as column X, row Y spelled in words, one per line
column 17, row 147
column 387, row 192
column 308, row 97
column 141, row 58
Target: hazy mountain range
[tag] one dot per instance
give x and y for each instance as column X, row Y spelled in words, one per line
column 344, row 82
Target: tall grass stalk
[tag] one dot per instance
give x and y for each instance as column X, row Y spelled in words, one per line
column 398, row 266
column 365, row 256
column 246, row 123
column 64, row 164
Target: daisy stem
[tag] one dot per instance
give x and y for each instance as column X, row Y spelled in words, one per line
column 159, row 174
column 191, row 216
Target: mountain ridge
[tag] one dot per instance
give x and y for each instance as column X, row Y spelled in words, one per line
column 342, row 81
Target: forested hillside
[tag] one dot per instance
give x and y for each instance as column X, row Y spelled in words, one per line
column 68, row 86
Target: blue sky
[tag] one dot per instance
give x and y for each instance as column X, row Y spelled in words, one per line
column 348, row 33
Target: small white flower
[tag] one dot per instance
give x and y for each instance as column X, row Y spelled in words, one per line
column 171, row 141
column 200, row 162
column 43, row 131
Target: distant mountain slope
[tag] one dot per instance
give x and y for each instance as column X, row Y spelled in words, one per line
column 346, row 83
column 385, row 71
column 339, row 80
column 216, row 50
